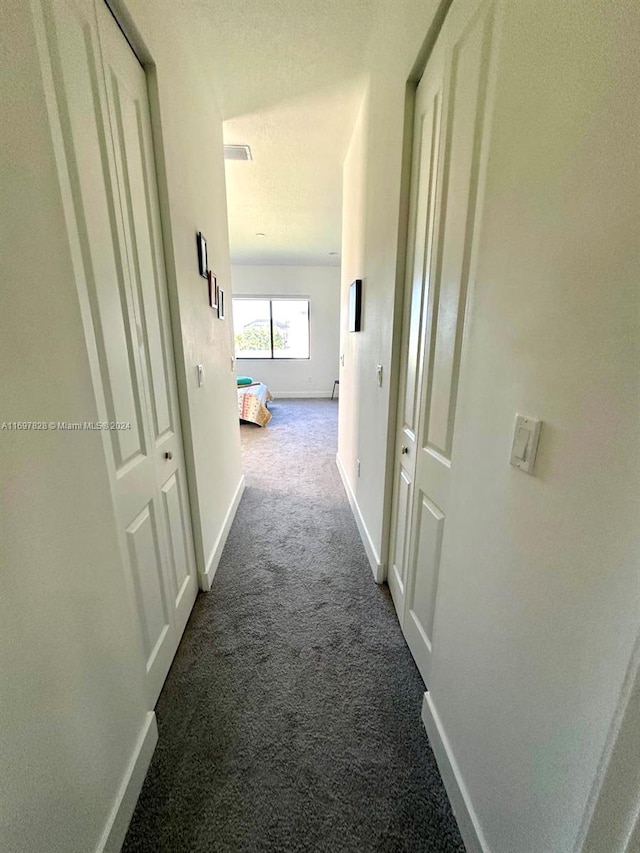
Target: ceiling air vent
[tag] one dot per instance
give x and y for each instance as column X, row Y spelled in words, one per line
column 237, row 152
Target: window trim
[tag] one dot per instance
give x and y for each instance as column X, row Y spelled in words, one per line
column 270, row 300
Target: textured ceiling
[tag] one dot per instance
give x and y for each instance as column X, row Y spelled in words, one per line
column 292, row 189
column 290, row 77
column 267, row 51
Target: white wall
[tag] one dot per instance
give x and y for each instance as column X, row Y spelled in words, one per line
column 311, row 377
column 71, row 681
column 539, row 596
column 371, row 210
column 371, row 215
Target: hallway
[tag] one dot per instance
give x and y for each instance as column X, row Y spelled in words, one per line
column 290, row 720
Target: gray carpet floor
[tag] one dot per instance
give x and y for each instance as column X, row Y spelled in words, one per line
column 290, row 720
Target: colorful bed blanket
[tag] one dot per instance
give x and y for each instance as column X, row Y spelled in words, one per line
column 252, row 403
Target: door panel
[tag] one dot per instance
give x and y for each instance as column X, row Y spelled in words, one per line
column 105, row 158
column 179, row 552
column 468, row 35
column 73, row 54
column 130, row 117
column 468, row 81
column 426, row 182
column 403, row 508
column 419, row 249
column 420, row 610
column 144, row 549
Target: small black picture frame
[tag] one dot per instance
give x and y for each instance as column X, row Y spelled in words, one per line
column 213, row 290
column 203, row 260
column 355, row 305
column 220, row 304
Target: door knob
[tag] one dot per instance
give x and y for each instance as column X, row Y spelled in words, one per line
column 168, row 455
column 404, row 449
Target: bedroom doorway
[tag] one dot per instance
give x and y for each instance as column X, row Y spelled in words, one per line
column 286, row 335
column 283, row 176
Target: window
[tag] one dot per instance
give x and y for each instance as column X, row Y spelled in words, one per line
column 271, row 328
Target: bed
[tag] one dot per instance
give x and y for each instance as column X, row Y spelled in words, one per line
column 252, row 403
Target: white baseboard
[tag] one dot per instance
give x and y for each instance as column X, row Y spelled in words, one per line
column 461, row 804
column 124, row 806
column 374, row 560
column 301, row 395
column 206, row 578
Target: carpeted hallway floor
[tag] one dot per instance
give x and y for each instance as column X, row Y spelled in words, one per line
column 290, row 720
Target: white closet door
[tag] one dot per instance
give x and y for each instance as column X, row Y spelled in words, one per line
column 124, row 336
column 462, row 58
column 128, row 104
column 419, row 250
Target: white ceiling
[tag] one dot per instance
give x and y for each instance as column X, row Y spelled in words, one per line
column 290, row 77
column 292, row 189
column 290, row 80
column 268, row 51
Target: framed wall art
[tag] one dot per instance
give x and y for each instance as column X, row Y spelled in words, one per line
column 214, row 292
column 203, row 260
column 355, row 305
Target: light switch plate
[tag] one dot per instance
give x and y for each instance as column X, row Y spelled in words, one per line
column 524, row 447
